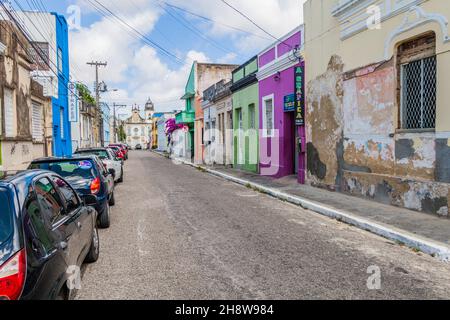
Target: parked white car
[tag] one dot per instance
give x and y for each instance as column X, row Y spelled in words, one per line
column 108, row 158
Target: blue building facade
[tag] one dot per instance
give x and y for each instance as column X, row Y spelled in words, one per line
column 106, row 123
column 62, row 140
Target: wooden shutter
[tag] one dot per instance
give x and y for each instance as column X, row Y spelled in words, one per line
column 37, row 122
column 9, row 113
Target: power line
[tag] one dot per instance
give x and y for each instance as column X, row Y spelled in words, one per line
column 143, row 36
column 36, row 27
column 215, row 21
column 254, row 23
column 27, row 36
column 193, row 29
column 155, row 27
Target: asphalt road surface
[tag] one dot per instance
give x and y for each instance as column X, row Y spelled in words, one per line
column 179, row 233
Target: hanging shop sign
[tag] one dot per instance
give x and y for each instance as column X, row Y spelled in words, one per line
column 73, row 103
column 299, row 96
column 289, row 103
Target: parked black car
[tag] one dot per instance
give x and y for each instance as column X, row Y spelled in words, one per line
column 45, row 228
column 87, row 175
column 138, row 147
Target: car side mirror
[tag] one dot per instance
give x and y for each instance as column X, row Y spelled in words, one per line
column 90, row 200
column 112, row 172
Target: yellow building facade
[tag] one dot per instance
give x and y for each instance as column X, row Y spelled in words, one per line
column 378, row 100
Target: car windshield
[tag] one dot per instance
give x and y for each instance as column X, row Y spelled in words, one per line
column 84, row 169
column 102, row 154
column 5, row 216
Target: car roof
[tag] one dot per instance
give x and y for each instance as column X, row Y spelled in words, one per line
column 62, row 159
column 91, row 149
column 21, row 177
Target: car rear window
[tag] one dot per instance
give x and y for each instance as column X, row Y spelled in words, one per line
column 5, row 216
column 74, row 168
column 102, row 154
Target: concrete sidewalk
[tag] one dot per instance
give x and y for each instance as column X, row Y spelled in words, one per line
column 424, row 232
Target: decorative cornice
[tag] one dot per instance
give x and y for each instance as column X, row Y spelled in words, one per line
column 421, row 18
column 342, row 6
column 281, row 64
column 353, row 17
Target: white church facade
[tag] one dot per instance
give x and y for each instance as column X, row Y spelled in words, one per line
column 139, row 129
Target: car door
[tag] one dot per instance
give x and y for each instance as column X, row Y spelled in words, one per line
column 49, row 240
column 116, row 165
column 106, row 177
column 78, row 215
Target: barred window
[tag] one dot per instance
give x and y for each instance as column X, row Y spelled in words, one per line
column 417, row 65
column 39, row 52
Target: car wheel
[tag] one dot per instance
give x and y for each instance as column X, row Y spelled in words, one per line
column 103, row 220
column 112, row 200
column 121, row 178
column 94, row 250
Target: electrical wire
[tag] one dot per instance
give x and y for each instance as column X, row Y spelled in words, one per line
column 141, row 35
column 215, row 21
column 193, row 29
column 255, row 24
column 38, row 29
column 38, row 50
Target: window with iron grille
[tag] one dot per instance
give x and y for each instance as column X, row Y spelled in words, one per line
column 39, row 52
column 417, row 66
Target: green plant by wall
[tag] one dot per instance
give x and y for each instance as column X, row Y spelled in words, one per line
column 85, row 94
column 121, row 133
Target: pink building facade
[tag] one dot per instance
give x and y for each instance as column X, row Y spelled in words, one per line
column 281, row 108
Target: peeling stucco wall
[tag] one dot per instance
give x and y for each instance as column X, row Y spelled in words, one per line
column 324, row 125
column 354, row 145
column 419, row 195
column 19, row 149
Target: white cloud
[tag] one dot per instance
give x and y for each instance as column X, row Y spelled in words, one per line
column 137, row 68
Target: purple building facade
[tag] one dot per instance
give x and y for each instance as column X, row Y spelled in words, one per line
column 281, row 108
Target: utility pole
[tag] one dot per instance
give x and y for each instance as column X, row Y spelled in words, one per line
column 98, row 64
column 114, row 112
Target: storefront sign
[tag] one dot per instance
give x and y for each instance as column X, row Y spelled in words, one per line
column 73, row 103
column 299, row 96
column 289, row 103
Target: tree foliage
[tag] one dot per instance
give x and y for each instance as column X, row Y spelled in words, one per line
column 85, row 94
column 121, row 134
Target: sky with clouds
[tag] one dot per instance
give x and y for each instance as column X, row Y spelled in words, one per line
column 155, row 58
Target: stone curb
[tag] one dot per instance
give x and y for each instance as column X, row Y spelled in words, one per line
column 428, row 246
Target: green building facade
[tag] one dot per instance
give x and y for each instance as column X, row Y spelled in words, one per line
column 246, row 116
column 187, row 116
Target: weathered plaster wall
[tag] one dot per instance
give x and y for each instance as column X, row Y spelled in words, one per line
column 206, row 75
column 369, row 118
column 224, row 142
column 325, row 125
column 354, row 141
column 18, row 149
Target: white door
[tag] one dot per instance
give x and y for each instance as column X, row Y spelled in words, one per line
column 240, row 139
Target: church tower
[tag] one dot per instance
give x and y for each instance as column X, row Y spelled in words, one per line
column 149, row 110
